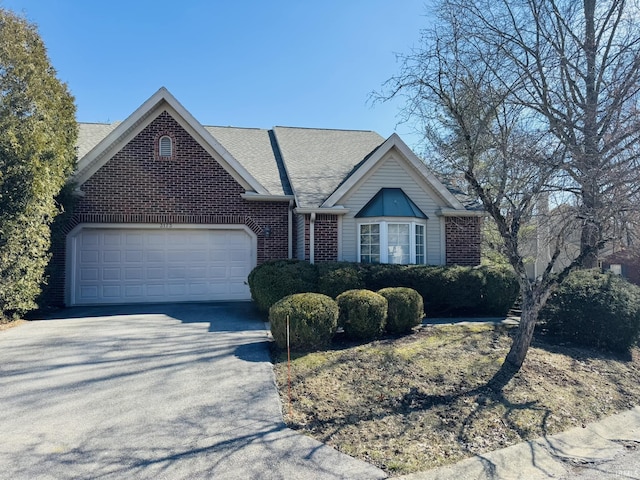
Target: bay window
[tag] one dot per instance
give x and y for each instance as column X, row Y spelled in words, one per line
column 391, row 229
column 392, row 242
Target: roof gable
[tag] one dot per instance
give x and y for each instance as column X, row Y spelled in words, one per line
column 123, row 132
column 414, row 164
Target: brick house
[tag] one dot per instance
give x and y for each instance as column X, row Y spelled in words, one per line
column 171, row 210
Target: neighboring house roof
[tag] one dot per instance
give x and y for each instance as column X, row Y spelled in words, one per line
column 317, row 166
column 90, row 135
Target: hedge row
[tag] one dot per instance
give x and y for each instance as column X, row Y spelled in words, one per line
column 447, row 291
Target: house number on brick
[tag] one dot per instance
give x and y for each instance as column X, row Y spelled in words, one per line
column 166, row 225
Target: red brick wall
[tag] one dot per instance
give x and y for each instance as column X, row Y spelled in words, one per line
column 325, row 238
column 630, row 262
column 463, row 240
column 135, row 186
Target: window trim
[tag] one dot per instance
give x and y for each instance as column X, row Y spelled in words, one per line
column 384, row 236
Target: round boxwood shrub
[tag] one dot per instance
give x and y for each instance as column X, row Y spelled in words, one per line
column 363, row 313
column 595, row 309
column 405, row 310
column 313, row 319
column 274, row 280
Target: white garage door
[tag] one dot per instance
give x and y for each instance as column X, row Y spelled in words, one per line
column 169, row 265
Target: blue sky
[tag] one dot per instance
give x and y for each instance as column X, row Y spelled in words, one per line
column 233, row 62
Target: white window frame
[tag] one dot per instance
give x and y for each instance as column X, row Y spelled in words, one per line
column 384, row 237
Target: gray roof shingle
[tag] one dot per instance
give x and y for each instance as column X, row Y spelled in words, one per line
column 91, row 134
column 318, row 160
column 253, row 148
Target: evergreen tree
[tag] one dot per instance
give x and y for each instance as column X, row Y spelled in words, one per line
column 38, row 133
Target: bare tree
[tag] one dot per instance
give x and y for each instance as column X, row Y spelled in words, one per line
column 535, row 103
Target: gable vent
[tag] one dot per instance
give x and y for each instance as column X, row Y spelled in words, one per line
column 166, row 146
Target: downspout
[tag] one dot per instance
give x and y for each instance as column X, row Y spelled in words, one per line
column 312, row 239
column 290, row 237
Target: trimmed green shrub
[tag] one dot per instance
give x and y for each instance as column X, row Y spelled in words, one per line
column 337, row 277
column 451, row 291
column 500, row 290
column 594, row 309
column 277, row 279
column 363, row 313
column 313, row 319
column 405, row 309
column 446, row 291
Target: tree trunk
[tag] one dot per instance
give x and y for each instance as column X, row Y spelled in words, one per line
column 530, row 308
column 589, row 162
column 532, row 303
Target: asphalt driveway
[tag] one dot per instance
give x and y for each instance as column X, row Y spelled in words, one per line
column 158, row 392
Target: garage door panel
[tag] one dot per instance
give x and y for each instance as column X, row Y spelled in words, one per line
column 156, row 290
column 153, row 273
column 133, row 256
column 199, row 288
column 89, row 292
column 89, row 274
column 197, row 256
column 132, row 266
column 111, row 256
column 110, row 274
column 112, row 239
column 177, row 273
column 134, row 274
column 111, row 291
column 154, row 256
column 90, row 239
column 133, row 238
column 133, row 291
column 89, row 256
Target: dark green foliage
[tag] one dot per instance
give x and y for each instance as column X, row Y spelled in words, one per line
column 313, row 319
column 363, row 313
column 500, row 290
column 595, row 309
column 337, row 277
column 405, row 310
column 37, row 155
column 277, row 279
column 451, row 291
column 446, row 291
column 66, row 201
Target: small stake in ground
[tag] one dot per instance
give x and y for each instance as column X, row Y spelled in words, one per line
column 288, row 367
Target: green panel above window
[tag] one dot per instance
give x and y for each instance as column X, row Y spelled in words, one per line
column 391, row 202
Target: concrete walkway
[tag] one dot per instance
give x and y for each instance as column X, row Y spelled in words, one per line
column 164, row 392
column 574, row 454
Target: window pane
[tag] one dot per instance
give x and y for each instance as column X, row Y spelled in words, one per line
column 420, row 248
column 370, row 243
column 399, row 243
